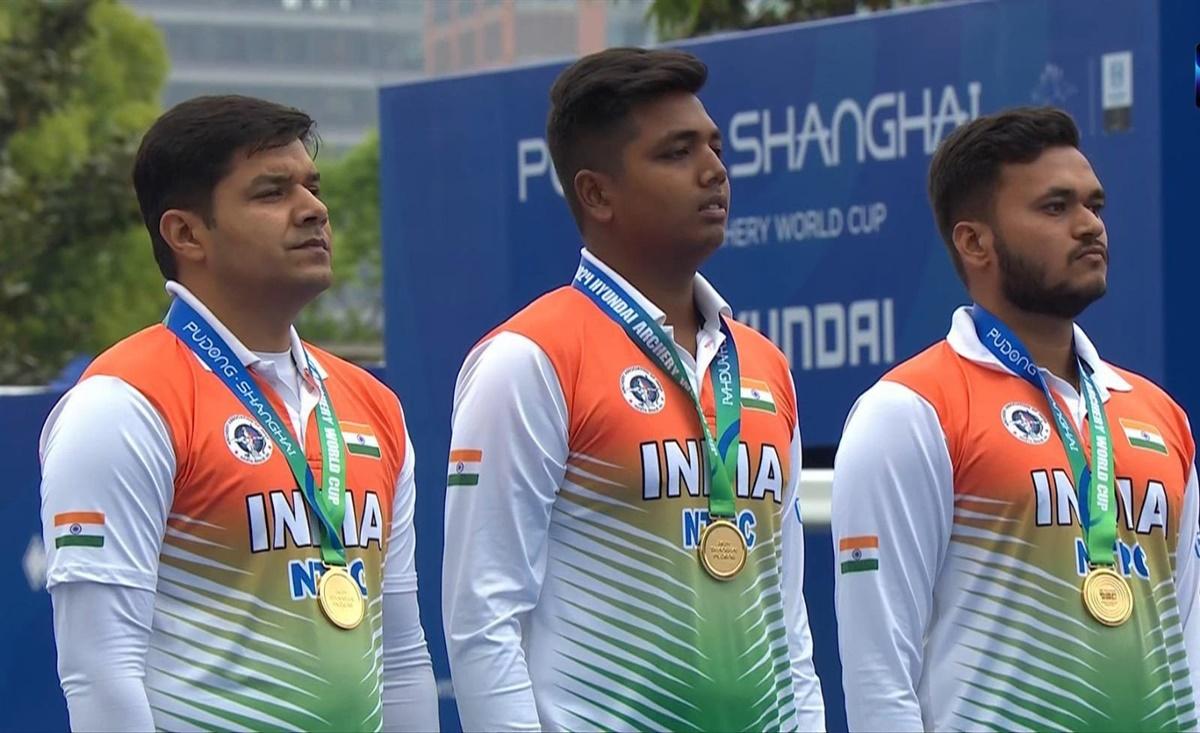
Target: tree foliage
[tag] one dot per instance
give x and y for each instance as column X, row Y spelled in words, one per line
column 675, row 19
column 79, row 83
column 349, row 317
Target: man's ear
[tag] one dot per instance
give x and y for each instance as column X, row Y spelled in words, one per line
column 184, row 232
column 592, row 191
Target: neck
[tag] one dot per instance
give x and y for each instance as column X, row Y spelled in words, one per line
column 1050, row 340
column 670, row 286
column 264, row 327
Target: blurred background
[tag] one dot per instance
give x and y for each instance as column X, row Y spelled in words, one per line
column 447, row 216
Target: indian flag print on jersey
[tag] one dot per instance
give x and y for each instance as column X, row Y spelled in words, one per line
column 756, row 395
column 79, row 529
column 360, row 439
column 464, row 467
column 859, row 554
column 1144, row 435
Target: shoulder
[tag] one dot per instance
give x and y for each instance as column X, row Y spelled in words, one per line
column 350, row 374
column 1153, row 402
column 106, row 408
column 553, row 330
column 936, row 374
column 154, row 353
column 756, row 344
column 890, row 420
column 542, row 321
column 1146, row 390
column 160, row 368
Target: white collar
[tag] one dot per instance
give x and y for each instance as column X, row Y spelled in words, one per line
column 709, row 302
column 965, row 342
column 248, row 358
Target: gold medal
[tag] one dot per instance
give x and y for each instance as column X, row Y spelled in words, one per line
column 340, row 599
column 1107, row 596
column 722, row 549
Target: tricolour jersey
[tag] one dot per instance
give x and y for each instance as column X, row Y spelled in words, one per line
column 238, row 640
column 628, row 631
column 961, row 564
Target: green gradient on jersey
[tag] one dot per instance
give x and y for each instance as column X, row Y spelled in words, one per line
column 233, row 651
column 1047, row 663
column 678, row 650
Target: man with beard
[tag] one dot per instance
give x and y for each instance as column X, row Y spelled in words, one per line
column 1016, row 518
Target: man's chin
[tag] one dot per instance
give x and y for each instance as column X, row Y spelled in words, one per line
column 1070, row 304
column 313, row 283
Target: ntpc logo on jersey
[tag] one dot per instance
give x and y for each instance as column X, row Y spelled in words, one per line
column 1057, row 504
column 669, row 469
column 280, row 520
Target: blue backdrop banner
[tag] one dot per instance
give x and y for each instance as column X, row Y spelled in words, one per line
column 831, row 247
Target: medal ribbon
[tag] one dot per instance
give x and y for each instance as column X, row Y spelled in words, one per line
column 1096, row 489
column 328, row 501
column 650, row 337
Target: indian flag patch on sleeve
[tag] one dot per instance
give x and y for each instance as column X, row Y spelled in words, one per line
column 360, row 439
column 1144, row 435
column 464, row 467
column 756, row 395
column 859, row 554
column 79, row 529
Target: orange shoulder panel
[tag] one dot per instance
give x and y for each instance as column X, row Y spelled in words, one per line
column 1165, row 409
column 938, row 375
column 163, row 370
column 561, row 322
column 382, row 403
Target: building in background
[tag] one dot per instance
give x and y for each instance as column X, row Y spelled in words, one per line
column 327, row 57
column 464, row 35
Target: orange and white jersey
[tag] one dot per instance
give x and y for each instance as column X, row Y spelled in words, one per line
column 576, row 493
column 156, row 478
column 961, row 558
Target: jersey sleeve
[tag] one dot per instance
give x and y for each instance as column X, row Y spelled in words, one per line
column 508, row 457
column 108, row 472
column 810, row 705
column 892, row 516
column 1187, row 577
column 409, row 691
column 102, row 632
column 399, row 566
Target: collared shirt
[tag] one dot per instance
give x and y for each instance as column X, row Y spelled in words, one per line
column 110, row 472
column 527, row 475
column 960, row 555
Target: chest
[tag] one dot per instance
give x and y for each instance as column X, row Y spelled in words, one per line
column 237, row 479
column 1009, row 454
column 629, row 415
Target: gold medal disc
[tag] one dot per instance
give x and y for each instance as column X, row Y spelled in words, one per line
column 1107, row 596
column 340, row 599
column 722, row 549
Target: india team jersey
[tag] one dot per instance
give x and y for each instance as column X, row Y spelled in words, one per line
column 587, row 542
column 238, row 640
column 962, row 558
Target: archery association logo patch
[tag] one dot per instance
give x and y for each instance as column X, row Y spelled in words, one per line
column 642, row 390
column 247, row 441
column 1025, row 423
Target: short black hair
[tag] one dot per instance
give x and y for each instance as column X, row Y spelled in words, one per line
column 966, row 167
column 591, row 100
column 189, row 149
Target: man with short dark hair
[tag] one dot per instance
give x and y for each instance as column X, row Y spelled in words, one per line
column 623, row 544
column 227, row 509
column 1016, row 518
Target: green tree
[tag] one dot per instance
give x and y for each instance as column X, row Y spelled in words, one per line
column 79, row 83
column 348, row 319
column 675, row 19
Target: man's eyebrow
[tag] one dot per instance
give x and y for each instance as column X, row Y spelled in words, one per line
column 1070, row 193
